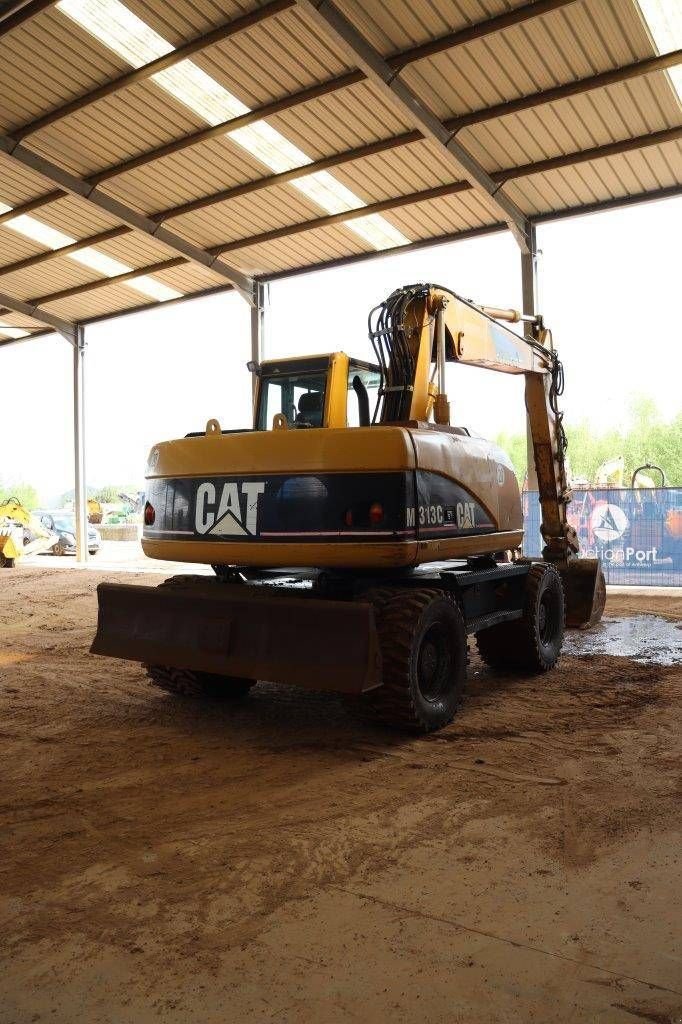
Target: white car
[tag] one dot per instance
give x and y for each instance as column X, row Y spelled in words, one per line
column 63, row 523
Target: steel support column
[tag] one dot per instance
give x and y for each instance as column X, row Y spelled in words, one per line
column 259, row 315
column 80, row 492
column 530, row 304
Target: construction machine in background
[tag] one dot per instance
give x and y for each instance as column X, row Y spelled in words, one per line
column 21, row 533
column 95, row 512
column 357, row 536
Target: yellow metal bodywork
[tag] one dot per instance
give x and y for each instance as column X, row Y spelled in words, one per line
column 15, row 518
column 329, row 450
column 472, row 337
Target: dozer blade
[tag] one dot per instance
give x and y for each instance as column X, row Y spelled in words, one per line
column 584, row 591
column 253, row 632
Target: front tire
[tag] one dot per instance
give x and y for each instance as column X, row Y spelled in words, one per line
column 532, row 643
column 186, row 683
column 422, row 639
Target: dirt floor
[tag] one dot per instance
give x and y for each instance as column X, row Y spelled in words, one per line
column 274, row 861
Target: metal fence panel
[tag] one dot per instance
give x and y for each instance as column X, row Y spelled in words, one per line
column 637, row 533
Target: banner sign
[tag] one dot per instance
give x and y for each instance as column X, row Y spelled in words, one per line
column 637, row 533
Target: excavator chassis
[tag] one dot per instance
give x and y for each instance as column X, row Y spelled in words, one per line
column 314, row 630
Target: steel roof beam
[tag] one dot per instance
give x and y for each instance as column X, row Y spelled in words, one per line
column 647, row 66
column 396, row 60
column 353, row 45
column 137, row 221
column 20, row 13
column 130, row 78
column 65, row 250
column 600, row 206
column 329, row 220
column 642, row 67
column 422, row 243
column 28, row 309
column 382, row 206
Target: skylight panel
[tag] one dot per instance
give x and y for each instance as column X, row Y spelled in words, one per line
column 99, row 261
column 120, row 29
column 153, row 288
column 376, row 230
column 37, row 231
column 664, row 21
column 133, row 40
column 15, row 333
column 45, row 235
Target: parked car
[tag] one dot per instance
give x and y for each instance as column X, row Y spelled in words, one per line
column 63, row 523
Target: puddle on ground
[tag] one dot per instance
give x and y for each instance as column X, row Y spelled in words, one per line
column 646, row 638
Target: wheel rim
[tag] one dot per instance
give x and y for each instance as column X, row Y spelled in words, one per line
column 434, row 664
column 548, row 617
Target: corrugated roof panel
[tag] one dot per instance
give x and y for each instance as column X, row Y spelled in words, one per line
column 400, row 24
column 613, row 177
column 111, row 299
column 46, row 278
column 64, row 62
column 189, row 278
column 19, row 320
column 187, row 19
column 14, row 246
column 442, row 216
column 115, row 129
column 19, row 184
column 342, row 120
column 299, row 250
column 180, row 177
column 245, row 217
column 397, row 172
column 136, row 249
column 286, row 53
column 270, row 60
column 74, row 217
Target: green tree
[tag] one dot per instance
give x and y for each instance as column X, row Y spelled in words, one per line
column 25, row 493
column 645, row 438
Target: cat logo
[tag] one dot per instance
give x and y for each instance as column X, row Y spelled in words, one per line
column 466, row 515
column 234, row 514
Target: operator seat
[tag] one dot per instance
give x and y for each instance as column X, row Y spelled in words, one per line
column 310, row 409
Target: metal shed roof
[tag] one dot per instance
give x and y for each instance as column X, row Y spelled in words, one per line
column 155, row 150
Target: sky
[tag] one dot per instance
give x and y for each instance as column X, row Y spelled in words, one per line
column 609, row 288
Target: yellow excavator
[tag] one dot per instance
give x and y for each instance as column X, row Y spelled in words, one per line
column 357, row 536
column 21, row 533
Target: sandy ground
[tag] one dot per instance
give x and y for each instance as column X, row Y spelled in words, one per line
column 277, row 862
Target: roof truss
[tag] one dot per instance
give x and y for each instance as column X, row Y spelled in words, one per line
column 131, row 218
column 396, row 61
column 329, row 220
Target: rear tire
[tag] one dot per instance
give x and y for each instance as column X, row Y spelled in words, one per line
column 186, row 683
column 422, row 638
column 533, row 642
column 5, row 562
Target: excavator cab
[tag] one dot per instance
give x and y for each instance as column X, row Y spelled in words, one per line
column 332, row 390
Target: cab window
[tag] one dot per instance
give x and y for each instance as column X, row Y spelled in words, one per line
column 300, row 397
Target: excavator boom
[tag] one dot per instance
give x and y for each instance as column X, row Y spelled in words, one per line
column 437, row 326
